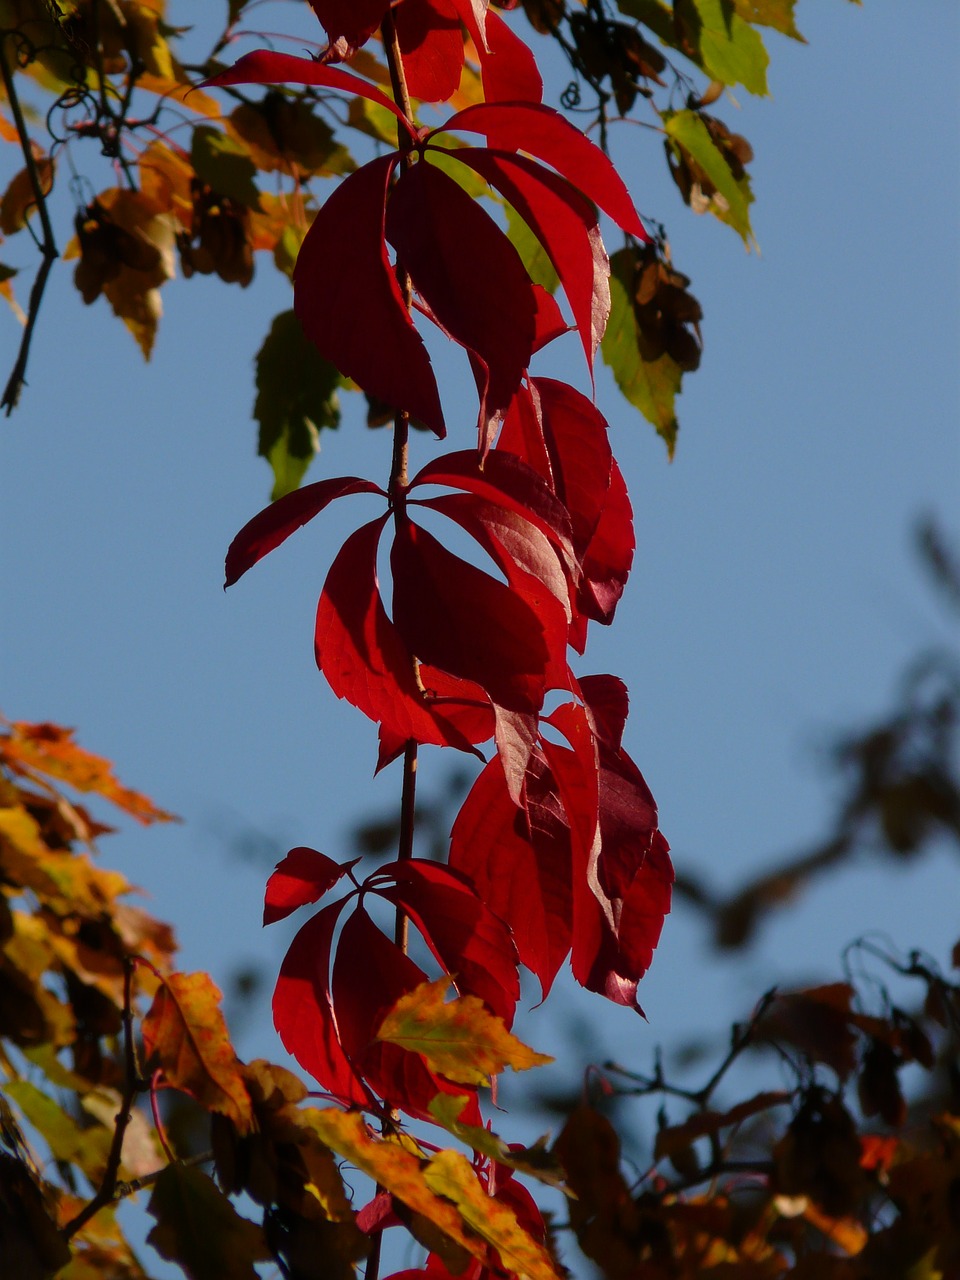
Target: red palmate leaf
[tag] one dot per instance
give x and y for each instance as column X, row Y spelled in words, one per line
column 263, row 66
column 352, row 20
column 519, row 860
column 365, row 660
column 432, row 47
column 349, row 302
column 274, row 524
column 469, row 275
column 508, row 69
column 607, row 560
column 370, row 974
column 607, row 702
column 510, row 483
column 458, row 618
column 544, row 133
column 303, row 876
column 565, row 223
column 303, row 1009
column 469, row 941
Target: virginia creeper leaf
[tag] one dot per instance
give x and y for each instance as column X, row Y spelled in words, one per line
column 460, row 619
column 731, row 50
column 465, row 936
column 224, row 164
column 534, row 1161
column 348, row 299
column 263, row 66
column 544, row 133
column 468, row 274
column 364, row 659
column 432, row 47
column 303, row 876
column 303, row 1009
column 565, row 223
column 184, row 1033
column 508, row 68
column 274, row 524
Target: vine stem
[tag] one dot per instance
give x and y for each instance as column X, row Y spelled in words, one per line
column 399, row 479
column 47, row 246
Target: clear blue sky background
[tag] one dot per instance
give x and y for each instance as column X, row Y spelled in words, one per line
column 774, row 601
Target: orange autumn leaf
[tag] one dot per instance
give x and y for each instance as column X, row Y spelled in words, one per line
column 185, row 1035
column 49, row 750
column 461, row 1040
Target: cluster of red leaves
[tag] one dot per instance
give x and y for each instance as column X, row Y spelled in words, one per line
column 557, row 849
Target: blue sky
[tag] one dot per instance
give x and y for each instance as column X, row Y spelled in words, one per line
column 775, row 596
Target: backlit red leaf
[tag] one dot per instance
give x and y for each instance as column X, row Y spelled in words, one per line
column 607, row 560
column 565, row 223
column 274, row 524
column 303, row 876
column 608, row 702
column 365, row 660
column 508, row 69
column 469, row 275
column 458, row 618
column 263, row 66
column 432, row 47
column 520, row 862
column 544, row 133
column 303, row 1009
column 349, row 302
column 351, row 20
column 469, row 941
column 362, row 1002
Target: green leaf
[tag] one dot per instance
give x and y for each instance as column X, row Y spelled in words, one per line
column 198, row 1228
column 532, row 253
column 730, row 50
column 461, row 1039
column 296, row 398
column 225, row 165
column 449, row 1175
column 688, row 133
column 86, row 1148
column 536, row 1161
column 655, row 15
column 777, row 14
column 650, row 386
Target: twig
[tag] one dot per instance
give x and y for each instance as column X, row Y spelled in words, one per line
column 48, row 246
column 132, row 1086
column 124, row 1189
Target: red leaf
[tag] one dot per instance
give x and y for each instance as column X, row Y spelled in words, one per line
column 517, row 738
column 303, row 876
column 565, row 223
column 471, row 943
column 544, row 133
column 266, row 67
column 608, row 702
column 550, row 323
column 474, row 15
column 351, row 20
column 303, row 1009
column 628, row 821
column 575, row 772
column 432, row 47
column 520, row 862
column 349, row 302
column 275, row 523
column 510, row 483
column 362, row 1002
column 508, row 68
column 607, row 560
column 469, row 275
column 458, row 618
column 364, row 659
